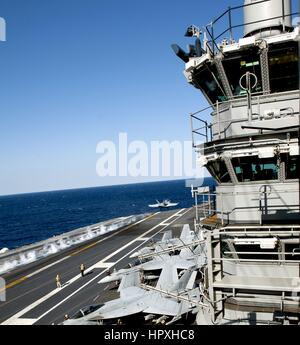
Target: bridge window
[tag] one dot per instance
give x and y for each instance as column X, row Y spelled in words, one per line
column 239, row 65
column 292, row 166
column 253, row 168
column 219, row 171
column 208, row 81
column 283, row 67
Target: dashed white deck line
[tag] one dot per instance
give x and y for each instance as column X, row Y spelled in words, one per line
column 82, row 287
column 46, row 267
column 102, row 264
column 27, row 322
column 99, row 241
column 17, row 320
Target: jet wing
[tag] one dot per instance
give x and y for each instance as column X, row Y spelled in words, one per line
column 117, row 310
column 145, row 250
column 153, row 205
column 160, row 305
column 153, row 265
column 186, row 253
column 172, row 204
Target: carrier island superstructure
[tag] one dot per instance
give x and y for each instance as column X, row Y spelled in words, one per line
column 251, row 148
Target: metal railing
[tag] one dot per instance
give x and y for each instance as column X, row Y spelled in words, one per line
column 262, row 206
column 230, row 26
column 205, row 129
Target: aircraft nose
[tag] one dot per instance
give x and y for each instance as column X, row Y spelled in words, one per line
column 105, row 280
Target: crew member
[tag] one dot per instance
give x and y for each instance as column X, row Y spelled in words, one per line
column 82, row 269
column 58, row 281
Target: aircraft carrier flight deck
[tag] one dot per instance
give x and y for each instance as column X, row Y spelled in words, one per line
column 31, row 293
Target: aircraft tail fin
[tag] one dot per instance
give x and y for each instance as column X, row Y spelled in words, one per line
column 185, row 232
column 167, row 236
column 187, row 280
column 129, row 280
column 167, row 278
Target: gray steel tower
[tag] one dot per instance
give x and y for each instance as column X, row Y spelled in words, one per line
column 251, row 148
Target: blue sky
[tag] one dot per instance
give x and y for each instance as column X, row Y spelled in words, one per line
column 75, row 72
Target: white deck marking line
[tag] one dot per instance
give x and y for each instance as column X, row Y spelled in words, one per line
column 14, row 319
column 136, row 239
column 121, row 230
column 102, row 264
column 74, row 293
column 25, row 322
column 46, row 267
column 25, row 278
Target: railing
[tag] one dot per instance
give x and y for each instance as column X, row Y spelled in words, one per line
column 204, row 128
column 204, row 131
column 209, row 209
column 230, row 26
column 37, row 251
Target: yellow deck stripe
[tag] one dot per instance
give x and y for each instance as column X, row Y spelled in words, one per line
column 16, row 282
column 20, row 280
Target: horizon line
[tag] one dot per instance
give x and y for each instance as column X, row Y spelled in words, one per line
column 102, row 186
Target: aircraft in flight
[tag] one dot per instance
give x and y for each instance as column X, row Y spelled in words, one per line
column 164, row 204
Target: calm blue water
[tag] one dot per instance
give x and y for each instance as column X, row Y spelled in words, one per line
column 28, row 218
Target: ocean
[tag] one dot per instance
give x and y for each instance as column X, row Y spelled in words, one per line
column 29, row 218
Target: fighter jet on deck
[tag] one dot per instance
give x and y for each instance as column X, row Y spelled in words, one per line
column 187, row 236
column 134, row 299
column 165, row 262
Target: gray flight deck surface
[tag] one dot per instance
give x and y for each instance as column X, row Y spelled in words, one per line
column 32, row 296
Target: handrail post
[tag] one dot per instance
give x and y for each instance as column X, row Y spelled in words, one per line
column 230, row 25
column 192, row 129
column 283, row 16
column 218, row 119
column 213, row 38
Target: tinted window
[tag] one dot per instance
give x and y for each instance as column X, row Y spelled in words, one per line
column 255, row 169
column 219, row 171
column 283, row 67
column 207, row 80
column 291, row 166
column 239, row 65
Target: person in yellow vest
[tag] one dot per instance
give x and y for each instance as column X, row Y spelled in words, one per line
column 58, row 281
column 82, row 269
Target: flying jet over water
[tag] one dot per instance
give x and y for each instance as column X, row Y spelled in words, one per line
column 164, row 204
